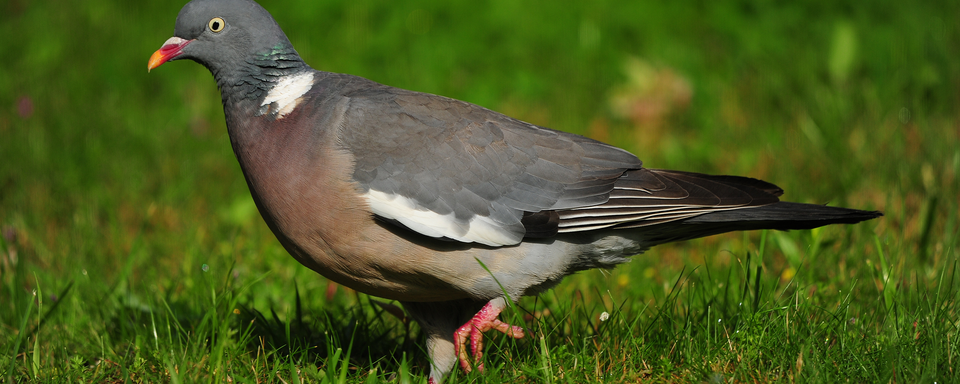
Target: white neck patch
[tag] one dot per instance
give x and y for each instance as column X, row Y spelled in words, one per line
column 286, row 93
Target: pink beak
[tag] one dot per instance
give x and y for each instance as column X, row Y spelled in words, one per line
column 171, row 48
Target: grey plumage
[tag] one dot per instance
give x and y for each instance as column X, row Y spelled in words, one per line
column 459, row 158
column 444, row 205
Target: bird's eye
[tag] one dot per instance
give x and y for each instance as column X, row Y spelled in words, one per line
column 216, row 24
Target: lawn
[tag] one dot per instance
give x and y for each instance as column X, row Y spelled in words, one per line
column 131, row 250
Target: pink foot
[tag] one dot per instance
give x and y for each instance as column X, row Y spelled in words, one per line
column 483, row 321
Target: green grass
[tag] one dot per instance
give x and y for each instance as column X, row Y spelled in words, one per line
column 131, row 251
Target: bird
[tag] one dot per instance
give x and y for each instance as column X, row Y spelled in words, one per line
column 450, row 208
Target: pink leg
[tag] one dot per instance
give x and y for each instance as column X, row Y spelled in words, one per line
column 484, row 320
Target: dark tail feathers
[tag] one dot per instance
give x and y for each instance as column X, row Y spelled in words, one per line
column 781, row 216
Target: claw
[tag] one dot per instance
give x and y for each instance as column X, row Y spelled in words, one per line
column 484, row 320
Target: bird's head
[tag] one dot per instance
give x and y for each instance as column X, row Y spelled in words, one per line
column 222, row 35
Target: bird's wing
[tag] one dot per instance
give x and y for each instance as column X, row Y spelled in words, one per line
column 450, row 169
column 645, row 197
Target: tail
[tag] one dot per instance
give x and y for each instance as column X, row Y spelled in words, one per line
column 667, row 206
column 781, row 215
column 785, row 215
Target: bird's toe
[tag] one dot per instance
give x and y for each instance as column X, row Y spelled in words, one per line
column 485, row 320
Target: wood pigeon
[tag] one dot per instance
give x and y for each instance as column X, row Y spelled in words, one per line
column 446, row 206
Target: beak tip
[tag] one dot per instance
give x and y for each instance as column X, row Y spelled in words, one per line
column 155, row 60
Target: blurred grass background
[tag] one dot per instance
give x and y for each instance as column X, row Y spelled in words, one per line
column 121, row 202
